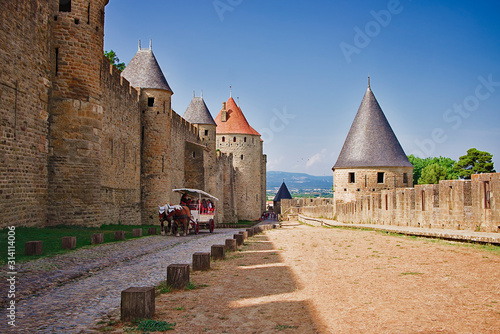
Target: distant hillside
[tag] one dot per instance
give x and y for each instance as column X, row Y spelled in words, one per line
column 297, row 182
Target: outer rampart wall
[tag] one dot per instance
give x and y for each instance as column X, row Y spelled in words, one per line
column 457, row 204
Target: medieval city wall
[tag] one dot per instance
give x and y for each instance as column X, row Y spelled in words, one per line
column 24, row 102
column 453, row 204
column 120, row 149
column 225, row 190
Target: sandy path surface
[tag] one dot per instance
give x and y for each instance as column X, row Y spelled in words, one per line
column 302, row 279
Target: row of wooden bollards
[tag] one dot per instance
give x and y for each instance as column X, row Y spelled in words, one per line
column 36, row 247
column 139, row 302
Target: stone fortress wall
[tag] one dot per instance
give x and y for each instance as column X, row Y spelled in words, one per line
column 452, row 204
column 78, row 144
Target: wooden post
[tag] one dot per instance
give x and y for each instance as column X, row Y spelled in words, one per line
column 239, row 239
column 119, row 235
column 245, row 235
column 97, row 238
column 231, row 245
column 33, row 248
column 152, row 231
column 137, row 303
column 201, row 261
column 250, row 232
column 178, row 275
column 218, row 252
column 137, row 232
column 68, row 242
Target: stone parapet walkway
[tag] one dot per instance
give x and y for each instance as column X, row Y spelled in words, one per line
column 456, row 235
column 67, row 293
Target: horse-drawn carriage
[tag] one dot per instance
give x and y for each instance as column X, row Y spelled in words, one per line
column 196, row 211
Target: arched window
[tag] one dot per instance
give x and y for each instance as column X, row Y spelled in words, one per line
column 245, row 139
column 223, row 139
column 234, row 139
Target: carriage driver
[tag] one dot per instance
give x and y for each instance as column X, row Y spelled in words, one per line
column 185, row 200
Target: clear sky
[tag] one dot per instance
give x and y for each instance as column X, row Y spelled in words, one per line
column 300, row 68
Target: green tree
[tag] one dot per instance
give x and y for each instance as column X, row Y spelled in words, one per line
column 474, row 162
column 419, row 164
column 113, row 59
column 433, row 173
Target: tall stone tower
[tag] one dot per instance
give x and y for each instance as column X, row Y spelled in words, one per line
column 197, row 113
column 144, row 73
column 372, row 158
column 235, row 136
column 76, row 113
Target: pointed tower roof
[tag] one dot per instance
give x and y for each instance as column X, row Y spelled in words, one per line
column 371, row 141
column 236, row 123
column 198, row 113
column 143, row 71
column 283, row 193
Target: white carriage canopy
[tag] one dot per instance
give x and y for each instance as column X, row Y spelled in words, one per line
column 194, row 193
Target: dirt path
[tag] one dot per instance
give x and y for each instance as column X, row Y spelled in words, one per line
column 302, row 279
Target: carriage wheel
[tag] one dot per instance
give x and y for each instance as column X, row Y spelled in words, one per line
column 197, row 228
column 212, row 225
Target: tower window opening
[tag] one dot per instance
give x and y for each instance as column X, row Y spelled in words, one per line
column 77, row 21
column 245, row 139
column 223, row 139
column 65, row 5
column 206, row 132
column 151, row 101
column 88, row 14
column 405, row 178
column 380, row 177
column 234, row 139
column 242, row 157
column 352, row 178
column 194, row 154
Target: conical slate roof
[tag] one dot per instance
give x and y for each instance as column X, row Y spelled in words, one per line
column 236, row 123
column 371, row 141
column 198, row 113
column 283, row 193
column 143, row 71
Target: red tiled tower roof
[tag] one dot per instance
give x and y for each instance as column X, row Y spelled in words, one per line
column 235, row 123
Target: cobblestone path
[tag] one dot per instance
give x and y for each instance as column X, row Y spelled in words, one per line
column 67, row 293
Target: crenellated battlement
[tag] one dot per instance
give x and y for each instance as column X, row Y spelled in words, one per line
column 452, row 204
column 182, row 124
column 111, row 77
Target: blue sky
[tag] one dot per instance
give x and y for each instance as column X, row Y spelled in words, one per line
column 300, row 68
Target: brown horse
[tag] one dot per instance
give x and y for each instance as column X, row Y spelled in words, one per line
column 180, row 215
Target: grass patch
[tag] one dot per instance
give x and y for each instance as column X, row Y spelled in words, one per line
column 163, row 287
column 411, row 273
column 193, row 286
column 52, row 238
column 283, row 327
column 149, row 325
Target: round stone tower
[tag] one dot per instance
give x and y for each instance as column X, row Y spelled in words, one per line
column 235, row 136
column 197, row 113
column 144, row 73
column 75, row 112
column 372, row 158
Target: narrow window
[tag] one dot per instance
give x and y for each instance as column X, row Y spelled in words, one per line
column 487, row 194
column 206, row 132
column 423, row 200
column 405, row 178
column 88, row 14
column 234, row 139
column 57, row 60
column 163, row 106
column 386, row 203
column 366, row 181
column 245, row 139
column 352, row 178
column 77, row 21
column 163, row 164
column 223, row 139
column 242, row 157
column 194, row 154
column 151, row 101
column 380, row 177
column 65, row 5
column 142, row 134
